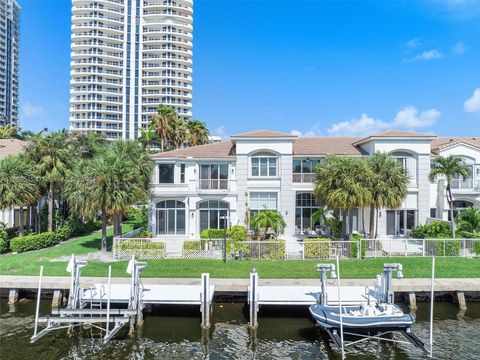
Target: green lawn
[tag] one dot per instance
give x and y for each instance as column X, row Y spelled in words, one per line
column 29, row 264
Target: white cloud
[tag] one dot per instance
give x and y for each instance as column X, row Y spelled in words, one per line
column 407, row 118
column 428, row 55
column 413, row 43
column 312, row 131
column 472, row 104
column 459, row 48
column 219, row 131
column 410, row 118
column 30, row 110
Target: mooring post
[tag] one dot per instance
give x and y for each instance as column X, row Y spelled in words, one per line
column 253, row 299
column 205, row 300
column 109, row 294
column 462, row 304
column 57, row 299
column 412, row 301
column 37, row 310
column 13, row 296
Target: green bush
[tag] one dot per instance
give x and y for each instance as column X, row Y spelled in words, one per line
column 476, row 248
column 335, row 225
column 34, row 241
column 354, row 247
column 467, row 235
column 436, row 229
column 214, row 234
column 238, row 233
column 317, row 248
column 276, row 250
column 448, row 248
column 145, row 234
column 11, row 232
column 193, row 245
column 4, row 242
column 142, row 249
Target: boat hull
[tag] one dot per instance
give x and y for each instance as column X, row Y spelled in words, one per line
column 327, row 317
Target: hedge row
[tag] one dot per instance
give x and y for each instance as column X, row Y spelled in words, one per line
column 142, row 249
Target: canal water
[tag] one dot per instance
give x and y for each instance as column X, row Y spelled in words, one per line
column 174, row 333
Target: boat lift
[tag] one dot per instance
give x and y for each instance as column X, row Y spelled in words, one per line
column 81, row 311
column 383, row 293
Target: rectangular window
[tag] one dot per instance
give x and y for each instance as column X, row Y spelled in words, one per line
column 182, row 173
column 263, row 201
column 166, row 173
column 433, row 213
column 264, row 166
column 214, row 176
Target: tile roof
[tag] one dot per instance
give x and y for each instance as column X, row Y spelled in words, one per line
column 441, row 142
column 216, row 150
column 395, row 134
column 11, row 147
column 263, row 134
column 326, row 145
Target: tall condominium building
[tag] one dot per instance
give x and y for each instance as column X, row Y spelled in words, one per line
column 9, row 62
column 128, row 56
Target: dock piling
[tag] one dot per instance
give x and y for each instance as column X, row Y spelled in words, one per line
column 57, row 299
column 13, row 296
column 462, row 304
column 253, row 299
column 412, row 301
column 205, row 301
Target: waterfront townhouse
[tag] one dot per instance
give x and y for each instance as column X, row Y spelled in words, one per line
column 201, row 187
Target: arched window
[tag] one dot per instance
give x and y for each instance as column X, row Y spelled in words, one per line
column 170, row 217
column 305, row 206
column 213, row 214
column 264, row 164
column 409, row 163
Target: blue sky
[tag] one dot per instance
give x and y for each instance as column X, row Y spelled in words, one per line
column 307, row 67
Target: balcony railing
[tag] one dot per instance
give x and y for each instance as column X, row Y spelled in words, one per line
column 213, row 184
column 303, row 177
column 464, row 184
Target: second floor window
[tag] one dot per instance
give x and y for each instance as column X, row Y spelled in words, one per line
column 166, row 173
column 214, row 176
column 264, row 166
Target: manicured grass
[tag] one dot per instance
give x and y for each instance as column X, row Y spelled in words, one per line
column 293, row 269
column 29, row 263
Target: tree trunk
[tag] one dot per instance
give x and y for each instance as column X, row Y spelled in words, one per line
column 376, row 222
column 363, row 221
column 350, row 224
column 50, row 207
column 372, row 222
column 450, row 204
column 20, row 221
column 104, row 231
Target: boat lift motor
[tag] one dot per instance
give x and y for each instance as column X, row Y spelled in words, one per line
column 323, row 268
column 386, row 281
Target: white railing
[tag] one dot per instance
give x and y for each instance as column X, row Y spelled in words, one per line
column 213, row 184
column 303, row 177
column 462, row 184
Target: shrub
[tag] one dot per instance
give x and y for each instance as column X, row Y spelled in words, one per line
column 354, row 247
column 275, row 250
column 317, row 248
column 214, row 233
column 468, row 235
column 436, row 229
column 4, row 241
column 142, row 249
column 335, row 225
column 448, row 248
column 194, row 245
column 11, row 232
column 145, row 234
column 34, row 241
column 476, row 248
column 238, row 233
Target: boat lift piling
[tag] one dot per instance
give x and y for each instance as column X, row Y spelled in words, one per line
column 253, row 299
column 205, row 298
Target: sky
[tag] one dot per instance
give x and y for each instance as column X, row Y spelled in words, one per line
column 326, row 68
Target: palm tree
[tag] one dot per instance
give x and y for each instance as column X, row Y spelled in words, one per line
column 87, row 144
column 388, row 186
column 147, row 137
column 18, row 186
column 179, row 132
column 268, row 219
column 197, row 133
column 53, row 156
column 162, row 123
column 8, row 131
column 450, row 167
column 319, row 216
column 341, row 184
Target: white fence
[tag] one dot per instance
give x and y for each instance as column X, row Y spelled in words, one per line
column 141, row 248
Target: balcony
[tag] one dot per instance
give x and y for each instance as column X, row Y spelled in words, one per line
column 303, row 177
column 467, row 184
column 213, row 184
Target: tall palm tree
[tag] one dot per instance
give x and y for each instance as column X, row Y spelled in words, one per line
column 388, row 186
column 179, row 132
column 450, row 167
column 147, row 137
column 268, row 219
column 162, row 123
column 341, row 184
column 197, row 132
column 8, row 131
column 87, row 144
column 53, row 156
column 18, row 186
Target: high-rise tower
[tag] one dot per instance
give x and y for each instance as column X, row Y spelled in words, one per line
column 128, row 56
column 9, row 61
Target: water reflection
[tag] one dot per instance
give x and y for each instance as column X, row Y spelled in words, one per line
column 174, row 333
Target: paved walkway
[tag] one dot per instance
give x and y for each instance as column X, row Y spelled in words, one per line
column 240, row 285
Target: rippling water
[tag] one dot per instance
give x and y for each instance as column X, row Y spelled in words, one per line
column 174, row 333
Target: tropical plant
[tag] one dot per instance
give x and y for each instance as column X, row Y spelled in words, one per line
column 268, row 219
column 450, row 167
column 162, row 123
column 147, row 137
column 179, row 132
column 87, row 144
column 18, row 186
column 341, row 184
column 469, row 220
column 53, row 156
column 197, row 133
column 109, row 183
column 387, row 184
column 319, row 216
column 8, row 131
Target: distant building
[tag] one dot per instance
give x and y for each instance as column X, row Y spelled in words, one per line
column 127, row 58
column 9, row 61
column 195, row 188
column 214, row 139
